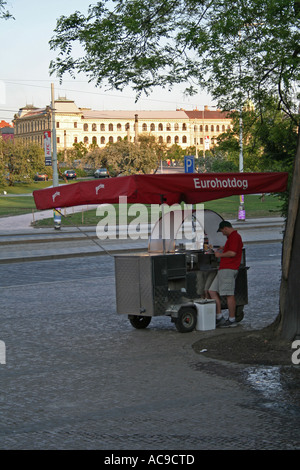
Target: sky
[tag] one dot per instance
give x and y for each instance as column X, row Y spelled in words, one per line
column 25, row 57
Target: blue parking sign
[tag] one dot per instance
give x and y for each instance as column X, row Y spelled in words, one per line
column 189, row 164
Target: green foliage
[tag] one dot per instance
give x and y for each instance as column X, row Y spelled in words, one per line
column 175, row 152
column 149, row 153
column 236, row 50
column 76, row 152
column 20, row 163
column 124, row 157
column 5, row 14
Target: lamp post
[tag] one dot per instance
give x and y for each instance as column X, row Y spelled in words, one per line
column 56, row 212
column 242, row 212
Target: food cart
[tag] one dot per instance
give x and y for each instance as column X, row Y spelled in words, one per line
column 170, row 278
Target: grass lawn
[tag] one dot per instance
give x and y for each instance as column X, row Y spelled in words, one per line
column 227, row 208
column 255, row 206
column 19, row 200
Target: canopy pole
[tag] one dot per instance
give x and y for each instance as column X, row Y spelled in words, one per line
column 162, row 199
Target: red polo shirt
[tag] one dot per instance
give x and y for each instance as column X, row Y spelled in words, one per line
column 233, row 243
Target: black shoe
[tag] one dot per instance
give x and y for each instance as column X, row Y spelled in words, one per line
column 220, row 322
column 229, row 324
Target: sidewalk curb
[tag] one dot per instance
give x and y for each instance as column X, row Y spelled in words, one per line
column 106, row 252
column 26, row 259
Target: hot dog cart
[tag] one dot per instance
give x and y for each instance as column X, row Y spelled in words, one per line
column 172, row 276
column 171, row 281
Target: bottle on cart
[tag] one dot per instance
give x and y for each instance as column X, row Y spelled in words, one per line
column 205, row 243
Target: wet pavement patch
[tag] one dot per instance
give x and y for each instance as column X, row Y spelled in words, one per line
column 277, row 387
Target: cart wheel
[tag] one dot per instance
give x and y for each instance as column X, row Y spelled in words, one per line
column 186, row 320
column 139, row 322
column 239, row 313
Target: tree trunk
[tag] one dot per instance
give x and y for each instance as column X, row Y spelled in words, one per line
column 289, row 304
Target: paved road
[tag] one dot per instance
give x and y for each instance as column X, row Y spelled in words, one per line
column 20, row 242
column 78, row 376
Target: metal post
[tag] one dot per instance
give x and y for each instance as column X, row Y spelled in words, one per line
column 162, row 199
column 242, row 212
column 56, row 214
column 54, row 152
column 241, row 159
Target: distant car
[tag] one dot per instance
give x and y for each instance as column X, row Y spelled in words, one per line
column 41, row 177
column 70, row 174
column 101, row 173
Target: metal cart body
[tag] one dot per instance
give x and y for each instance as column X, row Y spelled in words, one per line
column 155, row 284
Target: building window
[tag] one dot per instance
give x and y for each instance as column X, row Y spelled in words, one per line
column 160, row 139
column 218, row 128
column 176, row 126
column 144, row 127
column 206, row 128
column 94, row 140
column 57, row 124
column 184, row 126
column 110, row 127
column 184, row 139
column 160, row 127
column 75, row 125
column 75, row 140
column 201, row 129
column 85, row 127
column 212, row 128
column 176, row 140
column 102, row 127
column 57, row 140
column 111, row 139
column 119, row 127
column 94, row 127
column 168, row 139
column 223, row 128
column 127, row 126
column 102, row 140
column 168, row 126
column 86, row 139
column 152, row 127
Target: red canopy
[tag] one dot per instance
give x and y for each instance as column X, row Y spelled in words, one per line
column 149, row 189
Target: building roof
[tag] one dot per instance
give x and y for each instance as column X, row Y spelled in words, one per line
column 63, row 105
column 7, row 130
column 4, row 124
column 207, row 114
column 118, row 114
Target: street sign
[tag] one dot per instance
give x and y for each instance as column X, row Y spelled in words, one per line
column 189, row 164
column 47, row 148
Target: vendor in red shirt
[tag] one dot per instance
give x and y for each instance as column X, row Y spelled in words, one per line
column 224, row 283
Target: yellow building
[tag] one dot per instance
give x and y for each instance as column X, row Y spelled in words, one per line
column 74, row 125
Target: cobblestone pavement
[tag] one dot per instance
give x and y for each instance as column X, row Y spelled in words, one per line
column 78, row 376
